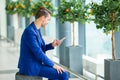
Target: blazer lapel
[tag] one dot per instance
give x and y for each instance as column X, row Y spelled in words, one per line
column 39, row 37
column 42, row 41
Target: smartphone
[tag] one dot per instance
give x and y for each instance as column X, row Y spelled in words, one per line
column 61, row 40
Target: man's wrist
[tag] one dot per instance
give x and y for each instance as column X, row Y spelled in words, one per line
column 53, row 44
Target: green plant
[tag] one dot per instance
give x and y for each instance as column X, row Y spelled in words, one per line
column 106, row 16
column 20, row 7
column 16, row 7
column 42, row 3
column 10, row 8
column 71, row 11
column 28, row 8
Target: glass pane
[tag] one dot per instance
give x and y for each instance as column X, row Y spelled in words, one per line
column 98, row 44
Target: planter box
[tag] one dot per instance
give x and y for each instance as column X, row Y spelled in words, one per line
column 74, row 57
column 10, row 33
column 112, row 69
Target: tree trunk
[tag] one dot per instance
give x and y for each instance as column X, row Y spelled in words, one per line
column 113, row 46
column 113, row 39
column 73, row 32
column 18, row 20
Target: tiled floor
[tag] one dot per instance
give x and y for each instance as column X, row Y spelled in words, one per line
column 9, row 55
column 8, row 60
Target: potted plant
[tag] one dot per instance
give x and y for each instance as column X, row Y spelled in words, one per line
column 106, row 16
column 71, row 11
column 16, row 7
column 10, row 9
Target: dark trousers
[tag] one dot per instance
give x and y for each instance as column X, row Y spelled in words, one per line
column 52, row 73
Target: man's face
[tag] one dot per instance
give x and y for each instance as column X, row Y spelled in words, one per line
column 45, row 20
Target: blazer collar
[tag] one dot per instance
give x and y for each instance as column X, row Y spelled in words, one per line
column 36, row 30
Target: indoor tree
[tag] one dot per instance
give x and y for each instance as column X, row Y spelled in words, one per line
column 71, row 11
column 14, row 7
column 106, row 16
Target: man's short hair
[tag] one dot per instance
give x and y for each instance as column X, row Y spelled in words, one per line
column 42, row 12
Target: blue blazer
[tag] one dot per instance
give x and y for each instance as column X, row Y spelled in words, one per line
column 32, row 52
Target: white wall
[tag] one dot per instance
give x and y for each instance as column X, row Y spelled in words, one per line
column 3, row 24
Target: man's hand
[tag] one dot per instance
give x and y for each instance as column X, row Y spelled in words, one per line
column 56, row 43
column 58, row 68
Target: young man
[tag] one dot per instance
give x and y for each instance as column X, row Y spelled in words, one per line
column 33, row 60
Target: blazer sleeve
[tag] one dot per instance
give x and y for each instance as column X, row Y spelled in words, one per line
column 48, row 47
column 36, row 50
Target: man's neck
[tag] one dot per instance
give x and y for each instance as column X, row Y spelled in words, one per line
column 37, row 24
